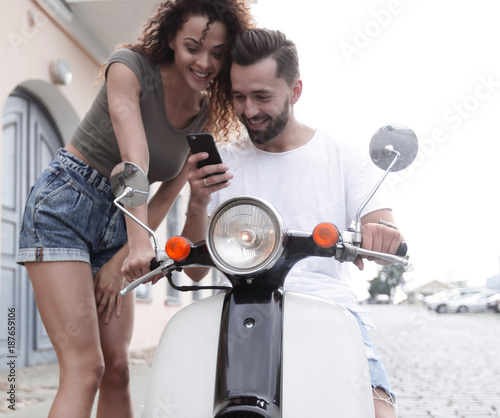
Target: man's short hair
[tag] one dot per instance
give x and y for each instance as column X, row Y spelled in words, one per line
column 255, row 45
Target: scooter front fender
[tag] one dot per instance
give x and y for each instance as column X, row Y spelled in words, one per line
column 324, row 367
column 325, row 370
column 182, row 383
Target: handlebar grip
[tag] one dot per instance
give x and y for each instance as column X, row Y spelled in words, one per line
column 402, row 249
column 154, row 264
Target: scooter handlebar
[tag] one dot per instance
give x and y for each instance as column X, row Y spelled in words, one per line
column 402, row 249
column 154, row 264
column 347, row 251
column 382, row 256
column 141, row 280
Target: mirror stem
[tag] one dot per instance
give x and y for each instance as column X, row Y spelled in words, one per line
column 127, row 193
column 389, row 149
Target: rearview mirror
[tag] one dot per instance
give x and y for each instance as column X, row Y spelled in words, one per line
column 390, row 141
column 129, row 184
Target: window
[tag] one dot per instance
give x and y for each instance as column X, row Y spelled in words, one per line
column 143, row 292
column 174, row 227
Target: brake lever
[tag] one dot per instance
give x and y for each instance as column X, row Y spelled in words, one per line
column 382, row 256
column 346, row 251
column 141, row 280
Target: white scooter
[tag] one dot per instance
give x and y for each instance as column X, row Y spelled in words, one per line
column 255, row 350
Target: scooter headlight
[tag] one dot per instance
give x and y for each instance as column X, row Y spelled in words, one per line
column 245, row 235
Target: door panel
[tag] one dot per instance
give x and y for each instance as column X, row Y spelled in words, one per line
column 42, row 140
column 29, row 141
column 12, row 280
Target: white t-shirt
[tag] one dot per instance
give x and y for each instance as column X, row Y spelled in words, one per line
column 323, row 181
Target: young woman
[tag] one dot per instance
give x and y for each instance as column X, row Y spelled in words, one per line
column 76, row 246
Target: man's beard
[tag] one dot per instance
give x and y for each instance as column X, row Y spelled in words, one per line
column 276, row 126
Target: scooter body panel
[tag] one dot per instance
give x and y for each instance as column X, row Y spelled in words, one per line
column 182, row 383
column 325, row 370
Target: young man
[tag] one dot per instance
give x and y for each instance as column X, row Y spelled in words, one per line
column 307, row 175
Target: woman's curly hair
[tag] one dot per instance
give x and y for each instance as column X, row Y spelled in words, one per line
column 163, row 27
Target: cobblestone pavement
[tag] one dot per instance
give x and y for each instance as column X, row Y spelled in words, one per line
column 440, row 365
column 36, row 387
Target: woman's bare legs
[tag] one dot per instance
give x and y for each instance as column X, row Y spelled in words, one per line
column 64, row 292
column 114, row 392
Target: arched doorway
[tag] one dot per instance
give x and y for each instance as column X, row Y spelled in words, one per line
column 30, row 139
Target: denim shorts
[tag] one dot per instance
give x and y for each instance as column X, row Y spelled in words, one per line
column 378, row 374
column 70, row 216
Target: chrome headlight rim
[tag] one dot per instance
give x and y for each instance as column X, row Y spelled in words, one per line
column 276, row 219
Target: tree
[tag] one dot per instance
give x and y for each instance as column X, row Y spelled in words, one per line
column 388, row 278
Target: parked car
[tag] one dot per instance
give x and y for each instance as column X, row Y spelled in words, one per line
column 442, row 295
column 382, row 299
column 493, row 302
column 474, row 303
column 441, row 302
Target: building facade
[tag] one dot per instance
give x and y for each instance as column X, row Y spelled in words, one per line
column 48, row 81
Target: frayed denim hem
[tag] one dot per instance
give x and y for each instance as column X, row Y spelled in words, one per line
column 391, row 401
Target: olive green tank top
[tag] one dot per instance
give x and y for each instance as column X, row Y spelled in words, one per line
column 168, row 148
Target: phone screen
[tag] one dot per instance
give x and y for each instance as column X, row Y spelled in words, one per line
column 204, row 142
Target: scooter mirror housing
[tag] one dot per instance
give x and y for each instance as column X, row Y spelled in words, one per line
column 392, row 140
column 392, row 148
column 129, row 184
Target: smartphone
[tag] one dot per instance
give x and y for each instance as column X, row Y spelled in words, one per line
column 204, row 142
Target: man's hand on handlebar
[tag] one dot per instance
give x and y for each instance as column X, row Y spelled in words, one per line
column 379, row 238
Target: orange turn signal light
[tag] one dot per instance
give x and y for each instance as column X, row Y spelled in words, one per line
column 325, row 235
column 178, row 248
